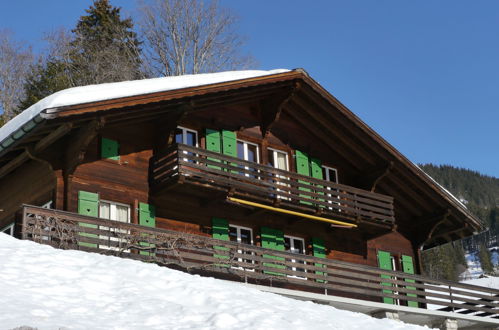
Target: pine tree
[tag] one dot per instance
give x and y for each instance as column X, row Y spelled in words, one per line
column 105, row 48
column 45, row 79
column 102, row 48
column 485, row 260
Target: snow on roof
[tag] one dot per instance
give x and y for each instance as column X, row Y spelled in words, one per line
column 93, row 93
column 46, row 288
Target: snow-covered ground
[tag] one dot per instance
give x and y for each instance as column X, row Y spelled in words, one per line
column 48, row 288
column 488, row 282
column 474, row 265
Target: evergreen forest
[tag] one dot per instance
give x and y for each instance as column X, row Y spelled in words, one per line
column 480, row 194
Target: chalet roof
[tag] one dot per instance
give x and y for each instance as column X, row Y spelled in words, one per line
column 296, row 88
column 101, row 92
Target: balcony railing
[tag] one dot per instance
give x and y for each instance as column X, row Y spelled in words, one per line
column 195, row 253
column 269, row 185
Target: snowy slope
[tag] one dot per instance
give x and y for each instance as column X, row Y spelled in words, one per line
column 51, row 289
column 488, row 282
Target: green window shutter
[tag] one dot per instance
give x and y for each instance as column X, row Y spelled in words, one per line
column 110, row 149
column 316, row 172
column 319, row 251
column 147, row 218
column 385, row 262
column 88, row 204
column 319, row 248
column 213, row 144
column 272, row 239
column 303, row 168
column 220, row 230
column 268, row 238
column 316, row 168
column 147, row 215
column 302, row 164
column 279, row 240
column 213, row 140
column 229, row 143
column 408, row 267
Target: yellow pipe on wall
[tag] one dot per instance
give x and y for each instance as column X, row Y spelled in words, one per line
column 304, row 215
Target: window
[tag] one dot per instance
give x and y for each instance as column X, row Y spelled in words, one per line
column 117, row 212
column 9, row 230
column 279, row 159
column 242, row 235
column 186, row 136
column 331, row 174
column 47, row 205
column 248, row 151
column 295, row 245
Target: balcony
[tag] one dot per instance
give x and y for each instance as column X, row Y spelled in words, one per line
column 264, row 186
column 252, row 264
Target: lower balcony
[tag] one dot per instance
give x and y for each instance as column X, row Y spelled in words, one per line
column 252, row 264
column 260, row 186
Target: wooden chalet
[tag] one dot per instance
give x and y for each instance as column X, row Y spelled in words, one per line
column 254, row 175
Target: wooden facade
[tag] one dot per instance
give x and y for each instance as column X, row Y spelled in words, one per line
column 276, row 158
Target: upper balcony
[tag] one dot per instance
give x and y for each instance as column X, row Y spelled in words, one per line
column 266, row 187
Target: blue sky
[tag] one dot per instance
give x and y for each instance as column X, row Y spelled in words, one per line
column 423, row 74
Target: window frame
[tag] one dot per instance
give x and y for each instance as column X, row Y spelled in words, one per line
column 238, row 231
column 291, row 238
column 238, row 240
column 245, row 150
column 112, row 210
column 10, row 228
column 327, row 172
column 274, row 153
column 278, row 176
column 111, row 204
column 184, row 135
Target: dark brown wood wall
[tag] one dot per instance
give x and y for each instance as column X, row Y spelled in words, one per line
column 186, row 210
column 33, row 183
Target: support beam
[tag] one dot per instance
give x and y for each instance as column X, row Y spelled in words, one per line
column 437, row 220
column 39, row 146
column 52, row 137
column 372, row 177
column 78, row 143
column 271, row 108
column 164, row 134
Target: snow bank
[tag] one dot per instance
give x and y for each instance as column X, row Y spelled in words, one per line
column 488, row 282
column 48, row 288
column 93, row 93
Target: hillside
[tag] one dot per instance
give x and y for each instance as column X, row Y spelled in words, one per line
column 480, row 194
column 46, row 288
